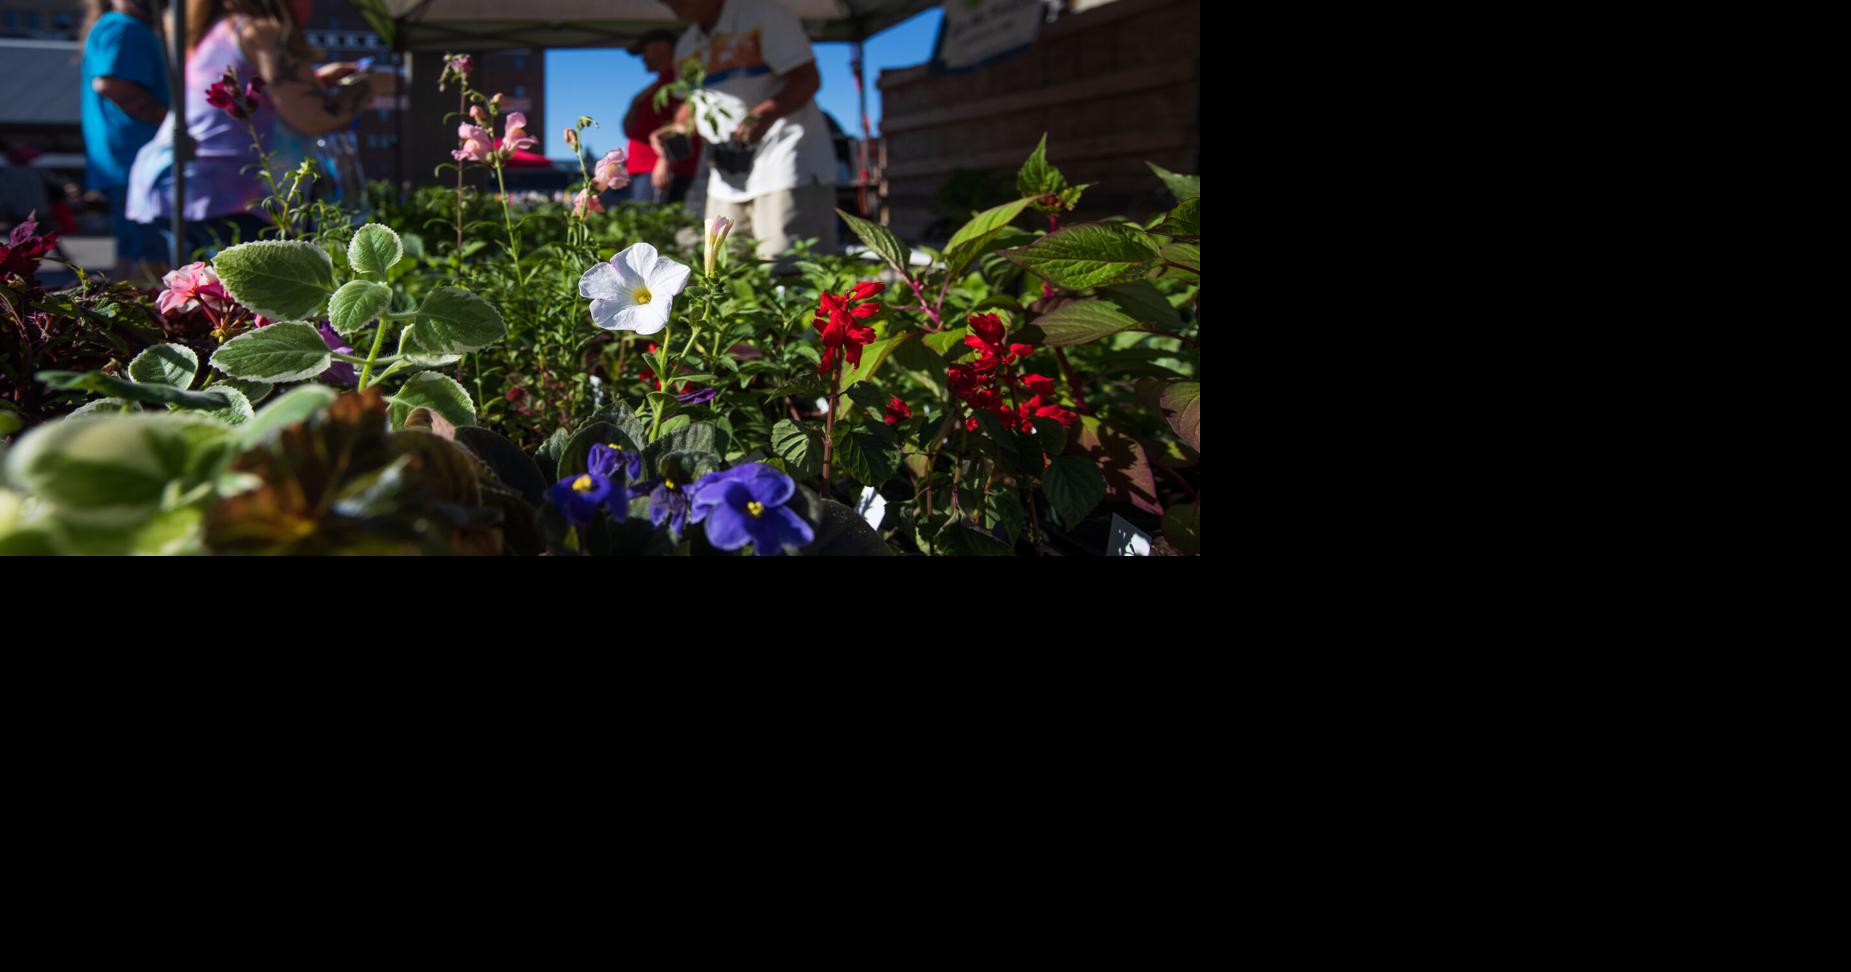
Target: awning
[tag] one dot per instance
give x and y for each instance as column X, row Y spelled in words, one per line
column 470, row 26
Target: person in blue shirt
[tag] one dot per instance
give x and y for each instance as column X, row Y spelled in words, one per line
column 125, row 98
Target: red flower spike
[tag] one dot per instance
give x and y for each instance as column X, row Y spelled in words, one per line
column 897, row 411
column 1039, row 384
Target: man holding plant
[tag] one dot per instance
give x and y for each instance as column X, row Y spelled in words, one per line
column 772, row 169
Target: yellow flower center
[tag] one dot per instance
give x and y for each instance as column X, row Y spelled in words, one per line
column 755, row 508
column 583, row 484
column 669, row 483
column 641, row 295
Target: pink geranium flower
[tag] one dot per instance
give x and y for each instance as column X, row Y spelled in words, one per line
column 190, row 286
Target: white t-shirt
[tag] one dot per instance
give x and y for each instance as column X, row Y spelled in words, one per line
column 753, row 42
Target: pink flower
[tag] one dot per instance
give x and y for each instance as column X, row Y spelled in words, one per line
column 610, row 174
column 190, row 286
column 481, row 117
column 476, row 144
column 515, row 137
column 586, row 200
column 462, row 64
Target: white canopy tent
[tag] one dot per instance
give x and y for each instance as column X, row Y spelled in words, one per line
column 486, row 25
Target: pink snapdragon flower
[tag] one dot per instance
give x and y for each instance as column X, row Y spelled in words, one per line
column 189, row 287
column 476, row 144
column 515, row 137
column 586, row 201
column 609, row 173
column 462, row 64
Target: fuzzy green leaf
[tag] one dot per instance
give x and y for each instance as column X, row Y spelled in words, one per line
column 357, row 304
column 374, row 250
column 165, row 364
column 439, row 393
column 285, row 280
column 1088, row 255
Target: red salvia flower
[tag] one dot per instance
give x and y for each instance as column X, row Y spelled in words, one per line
column 897, row 411
column 836, row 319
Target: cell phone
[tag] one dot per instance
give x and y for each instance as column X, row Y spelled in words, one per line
column 676, row 146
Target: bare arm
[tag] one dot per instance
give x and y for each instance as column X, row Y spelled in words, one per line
column 134, row 100
column 798, row 87
column 294, row 89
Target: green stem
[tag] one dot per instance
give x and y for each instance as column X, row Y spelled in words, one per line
column 379, row 338
column 507, row 218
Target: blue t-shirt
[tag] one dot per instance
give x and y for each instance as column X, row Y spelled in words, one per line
column 122, row 47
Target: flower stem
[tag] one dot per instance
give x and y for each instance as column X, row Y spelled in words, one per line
column 379, row 338
column 507, row 218
column 829, row 427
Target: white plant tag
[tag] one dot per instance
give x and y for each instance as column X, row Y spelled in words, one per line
column 1127, row 540
column 872, row 506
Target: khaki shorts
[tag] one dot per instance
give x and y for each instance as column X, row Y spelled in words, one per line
column 777, row 219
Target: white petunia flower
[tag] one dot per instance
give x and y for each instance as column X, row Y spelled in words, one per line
column 634, row 290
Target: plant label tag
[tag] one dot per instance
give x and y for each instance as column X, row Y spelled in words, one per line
column 1127, row 540
column 872, row 506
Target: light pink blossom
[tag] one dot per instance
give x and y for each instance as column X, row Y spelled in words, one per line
column 190, row 286
column 515, row 138
column 610, row 174
column 476, row 144
column 586, row 201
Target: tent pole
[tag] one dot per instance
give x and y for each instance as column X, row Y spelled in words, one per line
column 861, row 92
column 183, row 147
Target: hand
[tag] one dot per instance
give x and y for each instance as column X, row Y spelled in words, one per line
column 660, row 177
column 329, row 74
column 751, row 130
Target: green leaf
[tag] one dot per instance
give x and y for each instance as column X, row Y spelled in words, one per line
column 254, row 391
column 1182, row 526
column 1052, row 435
column 278, row 353
column 165, row 364
column 413, row 354
column 236, row 409
column 1143, row 303
column 1088, row 255
column 944, row 341
column 439, row 393
column 285, row 280
column 1037, row 178
column 374, row 249
column 1181, row 186
column 923, row 365
column 453, row 321
column 112, row 470
column 1081, row 321
column 1184, row 222
column 870, row 452
column 971, row 238
column 1185, row 255
column 958, row 540
column 800, row 446
column 102, row 384
column 357, row 304
column 291, row 407
column 881, row 240
column 1182, row 403
column 1073, row 486
column 874, row 355
column 10, row 422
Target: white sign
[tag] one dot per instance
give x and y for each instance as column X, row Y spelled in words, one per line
column 977, row 30
column 1127, row 540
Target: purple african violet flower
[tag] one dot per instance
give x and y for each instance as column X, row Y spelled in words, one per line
column 339, row 373
column 701, row 397
column 668, row 501
column 607, row 460
column 744, row 505
column 578, row 498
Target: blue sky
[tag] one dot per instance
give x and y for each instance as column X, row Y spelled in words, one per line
column 601, row 81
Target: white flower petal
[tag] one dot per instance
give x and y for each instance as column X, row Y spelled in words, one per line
column 668, row 278
column 603, row 281
column 639, row 259
column 649, row 318
column 604, row 313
